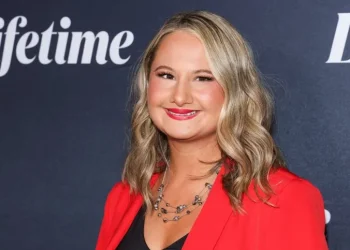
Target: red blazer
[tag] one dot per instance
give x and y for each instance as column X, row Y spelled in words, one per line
column 298, row 223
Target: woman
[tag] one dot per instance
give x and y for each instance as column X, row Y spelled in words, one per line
column 203, row 171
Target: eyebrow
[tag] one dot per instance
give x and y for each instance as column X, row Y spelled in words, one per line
column 195, row 71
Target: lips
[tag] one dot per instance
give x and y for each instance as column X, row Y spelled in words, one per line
column 181, row 114
column 181, row 111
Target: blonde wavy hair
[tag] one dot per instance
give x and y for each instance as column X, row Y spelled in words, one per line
column 245, row 119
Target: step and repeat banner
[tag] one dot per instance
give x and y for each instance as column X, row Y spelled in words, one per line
column 65, row 71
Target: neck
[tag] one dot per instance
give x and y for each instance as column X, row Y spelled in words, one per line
column 187, row 159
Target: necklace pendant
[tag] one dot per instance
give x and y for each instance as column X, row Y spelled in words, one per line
column 197, row 200
column 180, row 208
column 156, row 205
column 208, row 185
column 161, row 187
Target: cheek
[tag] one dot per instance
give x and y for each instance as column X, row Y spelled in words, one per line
column 154, row 91
column 212, row 98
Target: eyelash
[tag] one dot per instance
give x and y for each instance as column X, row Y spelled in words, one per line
column 204, row 78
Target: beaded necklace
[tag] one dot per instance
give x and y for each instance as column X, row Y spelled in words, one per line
column 182, row 210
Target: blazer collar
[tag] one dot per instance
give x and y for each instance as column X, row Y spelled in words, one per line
column 212, row 219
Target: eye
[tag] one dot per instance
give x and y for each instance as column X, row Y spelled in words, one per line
column 165, row 75
column 204, row 78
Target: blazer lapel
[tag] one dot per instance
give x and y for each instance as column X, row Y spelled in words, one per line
column 212, row 219
column 135, row 203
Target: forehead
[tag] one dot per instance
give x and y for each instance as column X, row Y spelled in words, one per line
column 181, row 49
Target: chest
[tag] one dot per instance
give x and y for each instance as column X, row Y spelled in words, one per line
column 159, row 234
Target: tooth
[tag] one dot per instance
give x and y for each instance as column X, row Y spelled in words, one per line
column 188, row 114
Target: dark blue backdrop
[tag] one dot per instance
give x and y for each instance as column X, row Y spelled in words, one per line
column 63, row 124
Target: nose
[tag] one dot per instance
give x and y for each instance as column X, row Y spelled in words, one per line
column 181, row 93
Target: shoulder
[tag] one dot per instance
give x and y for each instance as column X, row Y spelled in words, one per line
column 299, row 204
column 290, row 187
column 287, row 187
column 283, row 180
column 119, row 188
column 123, row 189
column 296, row 199
column 118, row 196
column 118, row 200
column 119, row 192
column 293, row 217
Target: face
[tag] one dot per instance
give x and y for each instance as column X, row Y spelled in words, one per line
column 184, row 98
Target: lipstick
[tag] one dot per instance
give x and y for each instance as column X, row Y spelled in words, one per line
column 181, row 114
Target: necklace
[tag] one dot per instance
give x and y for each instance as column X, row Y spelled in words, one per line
column 177, row 212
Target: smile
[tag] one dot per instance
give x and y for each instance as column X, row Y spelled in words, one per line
column 181, row 114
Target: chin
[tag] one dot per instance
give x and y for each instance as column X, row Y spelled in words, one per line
column 180, row 136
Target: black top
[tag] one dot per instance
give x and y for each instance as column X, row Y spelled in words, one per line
column 134, row 238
